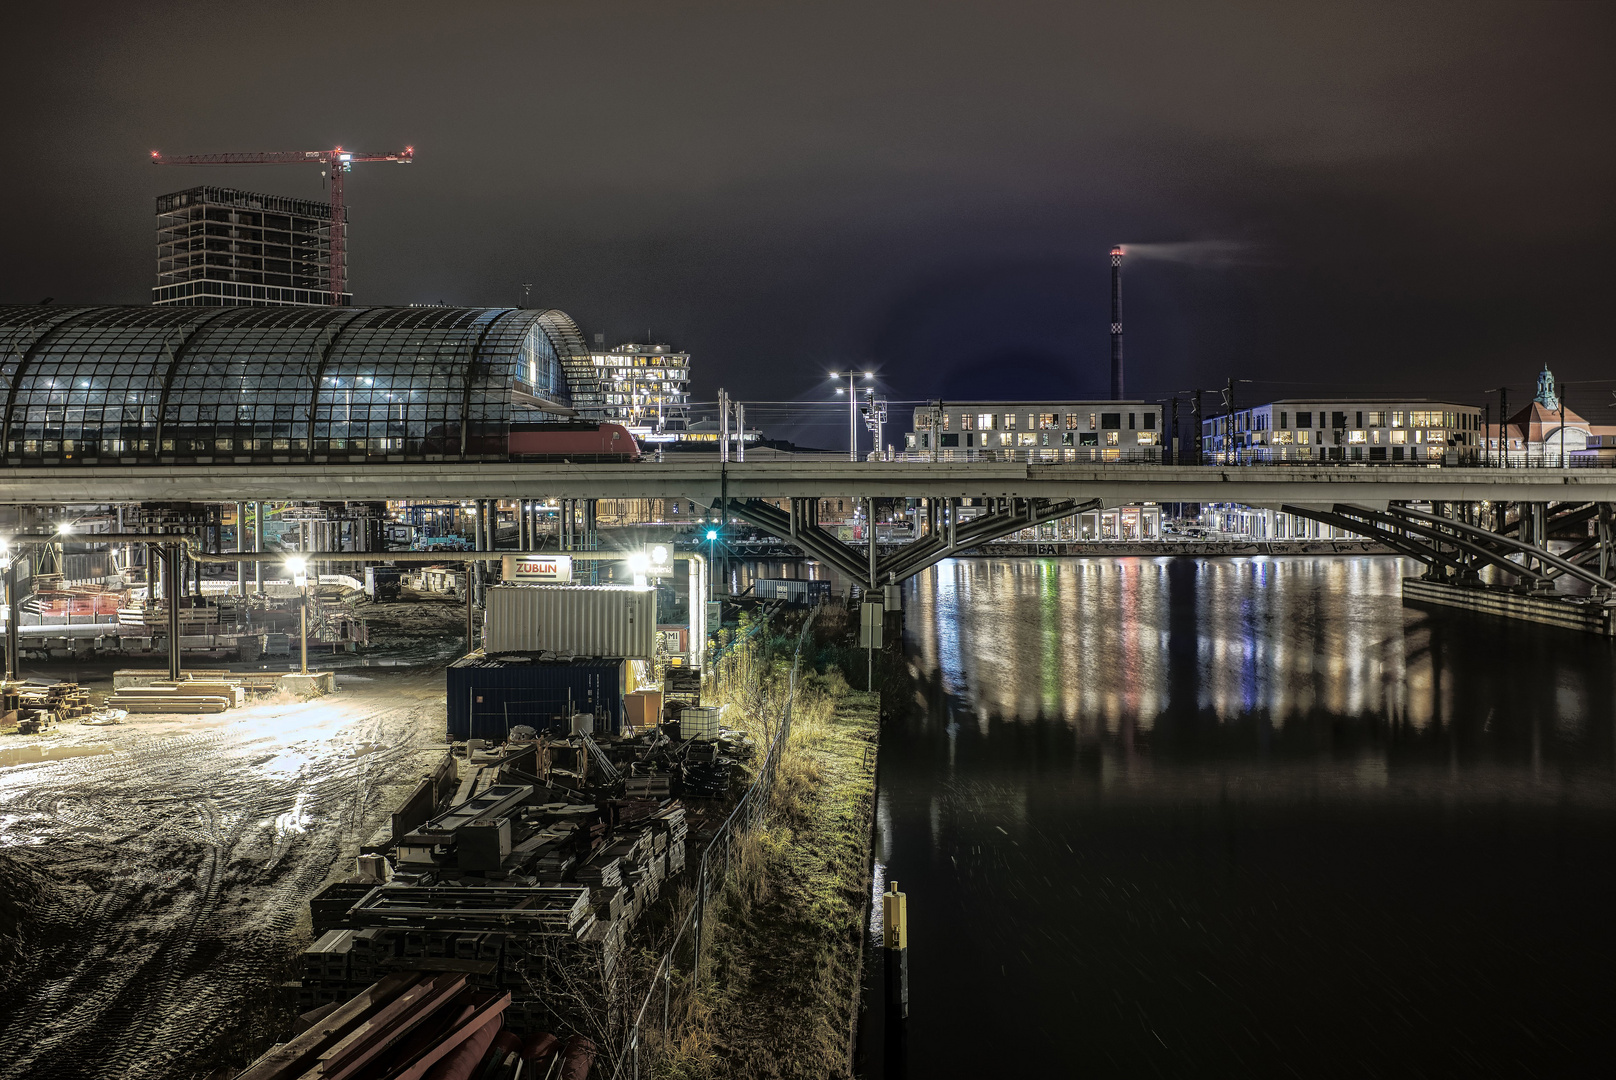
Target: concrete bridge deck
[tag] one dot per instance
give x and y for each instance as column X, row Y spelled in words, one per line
column 703, row 481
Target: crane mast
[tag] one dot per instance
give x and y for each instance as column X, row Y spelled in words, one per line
column 337, row 161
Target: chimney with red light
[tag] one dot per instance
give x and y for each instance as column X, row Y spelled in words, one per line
column 1116, row 323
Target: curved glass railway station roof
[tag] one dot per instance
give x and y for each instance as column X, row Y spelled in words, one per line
column 182, row 385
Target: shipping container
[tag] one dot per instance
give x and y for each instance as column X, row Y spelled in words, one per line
column 792, row 590
column 581, row 620
column 489, row 695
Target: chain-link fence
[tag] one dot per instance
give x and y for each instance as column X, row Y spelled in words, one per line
column 682, row 960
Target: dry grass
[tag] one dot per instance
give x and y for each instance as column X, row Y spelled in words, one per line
column 783, row 940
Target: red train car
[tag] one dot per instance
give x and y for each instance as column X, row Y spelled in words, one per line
column 581, row 443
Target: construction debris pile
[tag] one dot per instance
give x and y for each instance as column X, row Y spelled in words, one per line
column 33, row 707
column 523, row 870
column 444, row 1025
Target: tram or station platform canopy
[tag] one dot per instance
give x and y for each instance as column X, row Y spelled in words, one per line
column 197, row 385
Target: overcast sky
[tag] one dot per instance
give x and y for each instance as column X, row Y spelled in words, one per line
column 1374, row 198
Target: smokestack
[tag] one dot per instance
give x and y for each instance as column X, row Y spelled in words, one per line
column 1116, row 323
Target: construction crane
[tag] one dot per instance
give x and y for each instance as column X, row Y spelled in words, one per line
column 337, row 162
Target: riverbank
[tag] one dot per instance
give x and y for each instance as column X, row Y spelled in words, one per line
column 783, row 943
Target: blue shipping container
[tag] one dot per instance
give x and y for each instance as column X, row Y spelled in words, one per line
column 489, row 695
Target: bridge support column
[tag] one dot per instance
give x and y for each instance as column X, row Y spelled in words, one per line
column 171, row 565
column 1605, row 537
column 258, row 545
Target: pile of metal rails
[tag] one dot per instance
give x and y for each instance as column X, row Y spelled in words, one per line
column 433, row 1023
column 524, row 869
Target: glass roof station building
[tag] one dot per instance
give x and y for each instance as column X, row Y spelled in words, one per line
column 221, row 247
column 643, row 387
column 219, row 385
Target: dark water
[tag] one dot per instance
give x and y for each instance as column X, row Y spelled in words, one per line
column 1245, row 817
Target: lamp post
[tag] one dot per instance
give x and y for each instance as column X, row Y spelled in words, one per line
column 10, row 560
column 300, row 579
column 851, row 390
column 712, row 554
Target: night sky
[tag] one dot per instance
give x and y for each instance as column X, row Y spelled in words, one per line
column 1349, row 198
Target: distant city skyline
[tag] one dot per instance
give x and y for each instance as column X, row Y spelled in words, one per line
column 1412, row 204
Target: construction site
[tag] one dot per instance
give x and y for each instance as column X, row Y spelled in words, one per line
column 217, row 876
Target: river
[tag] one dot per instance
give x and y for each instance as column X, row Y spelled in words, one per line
column 1218, row 817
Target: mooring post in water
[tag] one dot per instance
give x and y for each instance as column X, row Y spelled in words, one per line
column 895, row 936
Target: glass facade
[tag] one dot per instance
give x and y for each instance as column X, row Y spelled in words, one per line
column 179, row 385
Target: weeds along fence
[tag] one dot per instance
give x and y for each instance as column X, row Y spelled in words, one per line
column 682, row 961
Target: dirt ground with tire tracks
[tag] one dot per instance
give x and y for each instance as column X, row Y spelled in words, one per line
column 154, row 874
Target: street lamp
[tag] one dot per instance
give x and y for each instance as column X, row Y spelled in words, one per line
column 712, row 553
column 851, row 390
column 300, row 580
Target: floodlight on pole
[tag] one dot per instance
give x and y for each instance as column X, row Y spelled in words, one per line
column 852, row 392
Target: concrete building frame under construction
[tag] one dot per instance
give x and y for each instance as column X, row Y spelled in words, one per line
column 218, row 247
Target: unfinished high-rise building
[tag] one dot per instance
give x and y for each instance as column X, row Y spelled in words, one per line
column 217, row 247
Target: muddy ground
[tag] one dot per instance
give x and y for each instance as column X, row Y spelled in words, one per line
column 154, row 875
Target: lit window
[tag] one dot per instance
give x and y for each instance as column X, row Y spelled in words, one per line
column 985, row 421
column 965, row 422
column 1377, row 419
column 1399, row 437
column 1112, row 438
column 1397, row 421
column 1046, row 421
column 1147, row 438
column 1303, row 438
column 1028, row 439
column 1009, row 421
column 1357, row 436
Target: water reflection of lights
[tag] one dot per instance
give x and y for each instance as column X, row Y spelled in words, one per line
column 1095, row 641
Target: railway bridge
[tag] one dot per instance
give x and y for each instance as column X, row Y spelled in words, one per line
column 1456, row 521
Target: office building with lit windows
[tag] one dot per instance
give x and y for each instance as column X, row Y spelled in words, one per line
column 643, row 387
column 1049, row 431
column 1373, row 431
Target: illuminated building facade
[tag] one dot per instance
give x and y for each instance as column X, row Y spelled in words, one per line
column 1548, row 433
column 1037, row 431
column 1370, row 430
column 643, row 387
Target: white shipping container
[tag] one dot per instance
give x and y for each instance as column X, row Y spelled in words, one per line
column 583, row 620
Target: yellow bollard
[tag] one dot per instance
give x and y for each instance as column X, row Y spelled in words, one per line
column 895, row 937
